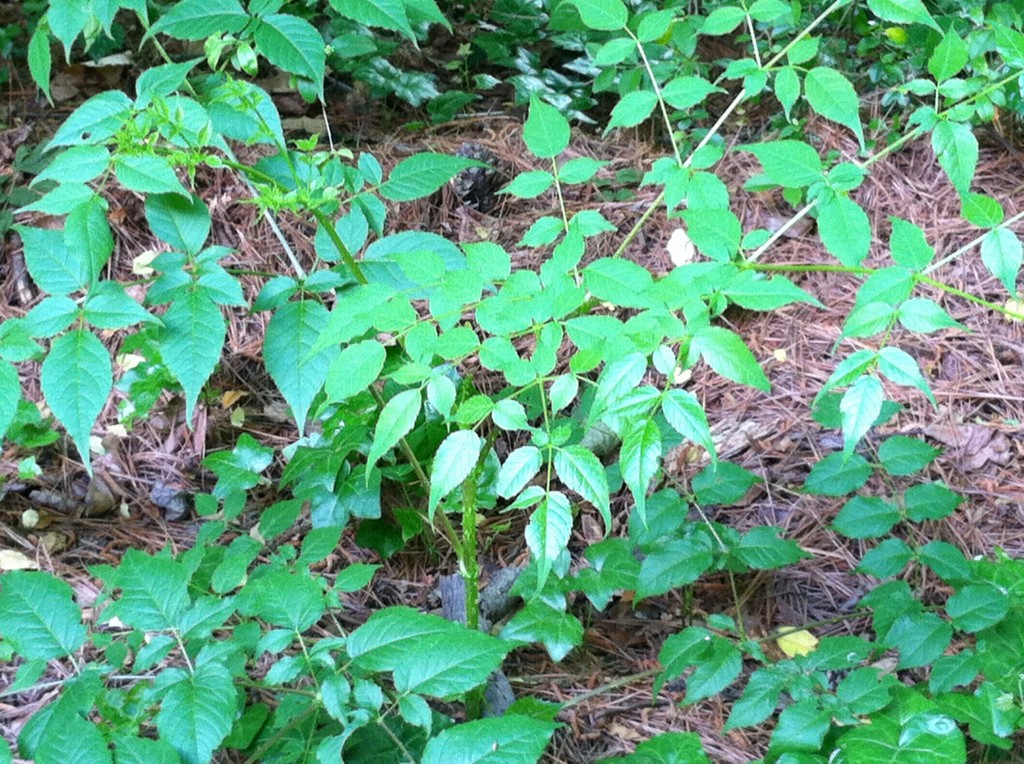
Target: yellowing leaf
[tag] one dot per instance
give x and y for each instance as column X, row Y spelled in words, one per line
column 795, row 643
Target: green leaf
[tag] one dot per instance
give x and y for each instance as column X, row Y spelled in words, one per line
column 191, row 342
column 423, row 174
column 716, row 232
column 87, row 232
column 801, row 728
column 762, row 549
column 548, row 532
column 790, row 164
column 619, row 281
column 76, row 381
column 40, row 61
column 418, row 649
column 909, row 246
column 354, row 369
column 640, row 459
column 78, row 164
column 887, row 559
column 520, row 467
column 509, row 739
column 722, row 21
column 925, row 736
column 527, row 185
column 563, row 392
column 838, row 474
column 787, row 89
column 603, row 15
column 298, row 372
column 196, row 714
column 923, row 315
column 832, row 96
column 182, row 223
column 158, row 81
column 454, row 461
column 557, row 630
column 759, row 699
column 38, row 616
column 981, row 210
column 294, row 45
column 687, row 92
column 725, row 352
column 583, row 473
column 1002, row 254
column 10, row 394
column 716, row 671
column 845, row 230
column 949, row 57
column 686, row 416
column 199, row 19
column 96, row 120
column 616, row 381
column 396, row 420
column 51, row 316
column 865, row 517
column 293, row 599
column 674, row 563
column 632, row 109
column 860, row 407
column 920, row 638
column 901, row 368
column 946, row 561
column 667, row 748
column 930, row 501
column 110, row 307
column 580, row 169
column 153, row 591
column 901, row 455
column 722, row 483
column 52, row 265
column 977, row 607
column 957, row 151
column 148, row 175
column 903, row 12
column 546, row 131
column 755, row 292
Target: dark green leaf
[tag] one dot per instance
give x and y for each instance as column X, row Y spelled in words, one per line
column 865, row 517
column 38, row 616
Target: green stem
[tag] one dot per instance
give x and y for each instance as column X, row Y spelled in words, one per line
column 346, row 256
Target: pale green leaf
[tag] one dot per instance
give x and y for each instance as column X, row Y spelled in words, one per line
column 548, row 533
column 199, row 19
column 845, row 230
column 632, row 109
column 583, row 473
column 423, row 174
column 640, row 459
column 957, row 151
column 1002, row 255
column 832, row 96
column 453, row 462
column 603, row 15
column 355, row 369
column 396, row 421
column 860, row 407
column 148, row 175
column 292, row 44
column 725, row 352
column 520, row 467
column 546, row 131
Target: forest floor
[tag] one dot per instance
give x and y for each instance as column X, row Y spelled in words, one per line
column 976, row 377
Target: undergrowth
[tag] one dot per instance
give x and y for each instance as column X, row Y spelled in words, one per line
column 211, row 652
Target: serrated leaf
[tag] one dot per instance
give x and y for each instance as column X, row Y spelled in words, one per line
column 887, row 559
column 94, row 121
column 396, row 420
column 386, row 14
column 78, row 164
column 76, row 381
column 153, row 591
column 110, row 307
column 864, row 517
column 10, row 394
column 957, row 151
column 949, row 57
column 53, row 267
column 838, row 474
column 509, row 739
column 520, row 467
column 686, row 416
column 527, row 185
column 40, row 61
column 640, row 459
column 191, row 342
column 603, row 15
column 909, row 246
column 148, row 175
column 181, row 222
column 903, row 12
column 1002, row 254
column 423, row 174
column 298, row 372
column 930, row 501
column 354, row 369
column 761, row 548
column 832, row 96
column 557, row 630
column 38, row 616
column 196, row 714
column 583, row 473
column 292, row 44
column 902, row 456
column 632, row 109
column 725, row 352
column 453, row 462
column 977, row 607
column 199, row 19
column 673, row 564
column 758, row 701
column 860, row 407
column 546, row 131
column 845, row 230
column 901, row 368
column 791, row 164
column 548, row 532
column 920, row 638
column 417, row 648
